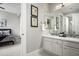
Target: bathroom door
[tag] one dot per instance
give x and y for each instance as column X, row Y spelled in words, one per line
column 23, row 28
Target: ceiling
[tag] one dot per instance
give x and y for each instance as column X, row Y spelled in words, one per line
column 68, row 8
column 11, row 7
column 16, row 9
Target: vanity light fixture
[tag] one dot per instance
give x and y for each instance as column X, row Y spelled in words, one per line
column 61, row 5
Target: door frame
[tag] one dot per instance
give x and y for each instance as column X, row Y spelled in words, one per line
column 23, row 29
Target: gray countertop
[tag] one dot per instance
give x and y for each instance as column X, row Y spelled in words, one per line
column 61, row 38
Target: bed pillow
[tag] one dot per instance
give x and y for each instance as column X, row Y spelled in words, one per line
column 6, row 32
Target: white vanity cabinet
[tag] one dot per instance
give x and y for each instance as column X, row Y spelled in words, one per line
column 47, row 44
column 70, row 48
column 53, row 45
column 60, row 48
column 50, row 45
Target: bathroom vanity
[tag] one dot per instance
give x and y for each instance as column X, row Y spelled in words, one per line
column 67, row 27
column 61, row 46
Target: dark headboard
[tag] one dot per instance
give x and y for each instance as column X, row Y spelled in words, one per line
column 5, row 29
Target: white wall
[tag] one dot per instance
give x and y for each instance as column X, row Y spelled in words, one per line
column 13, row 21
column 34, row 34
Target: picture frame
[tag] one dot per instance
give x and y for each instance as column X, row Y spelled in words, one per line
column 34, row 21
column 3, row 22
column 34, row 10
column 34, row 16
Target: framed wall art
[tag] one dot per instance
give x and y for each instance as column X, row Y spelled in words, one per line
column 34, row 16
column 34, row 21
column 34, row 10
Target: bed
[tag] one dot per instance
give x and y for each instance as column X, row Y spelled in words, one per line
column 6, row 36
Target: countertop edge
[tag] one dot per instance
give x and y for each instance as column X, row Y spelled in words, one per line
column 62, row 38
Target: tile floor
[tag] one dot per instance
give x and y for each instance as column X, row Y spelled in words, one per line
column 40, row 52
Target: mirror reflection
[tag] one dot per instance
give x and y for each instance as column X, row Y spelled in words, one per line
column 3, row 22
column 64, row 20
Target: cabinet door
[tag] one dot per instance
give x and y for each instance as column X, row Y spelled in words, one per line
column 53, row 45
column 50, row 45
column 66, row 51
column 60, row 48
column 47, row 45
column 54, row 48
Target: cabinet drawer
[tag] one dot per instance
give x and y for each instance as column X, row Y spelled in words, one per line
column 66, row 51
column 53, row 40
column 47, row 45
column 60, row 42
column 71, row 44
column 69, row 51
column 74, row 52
